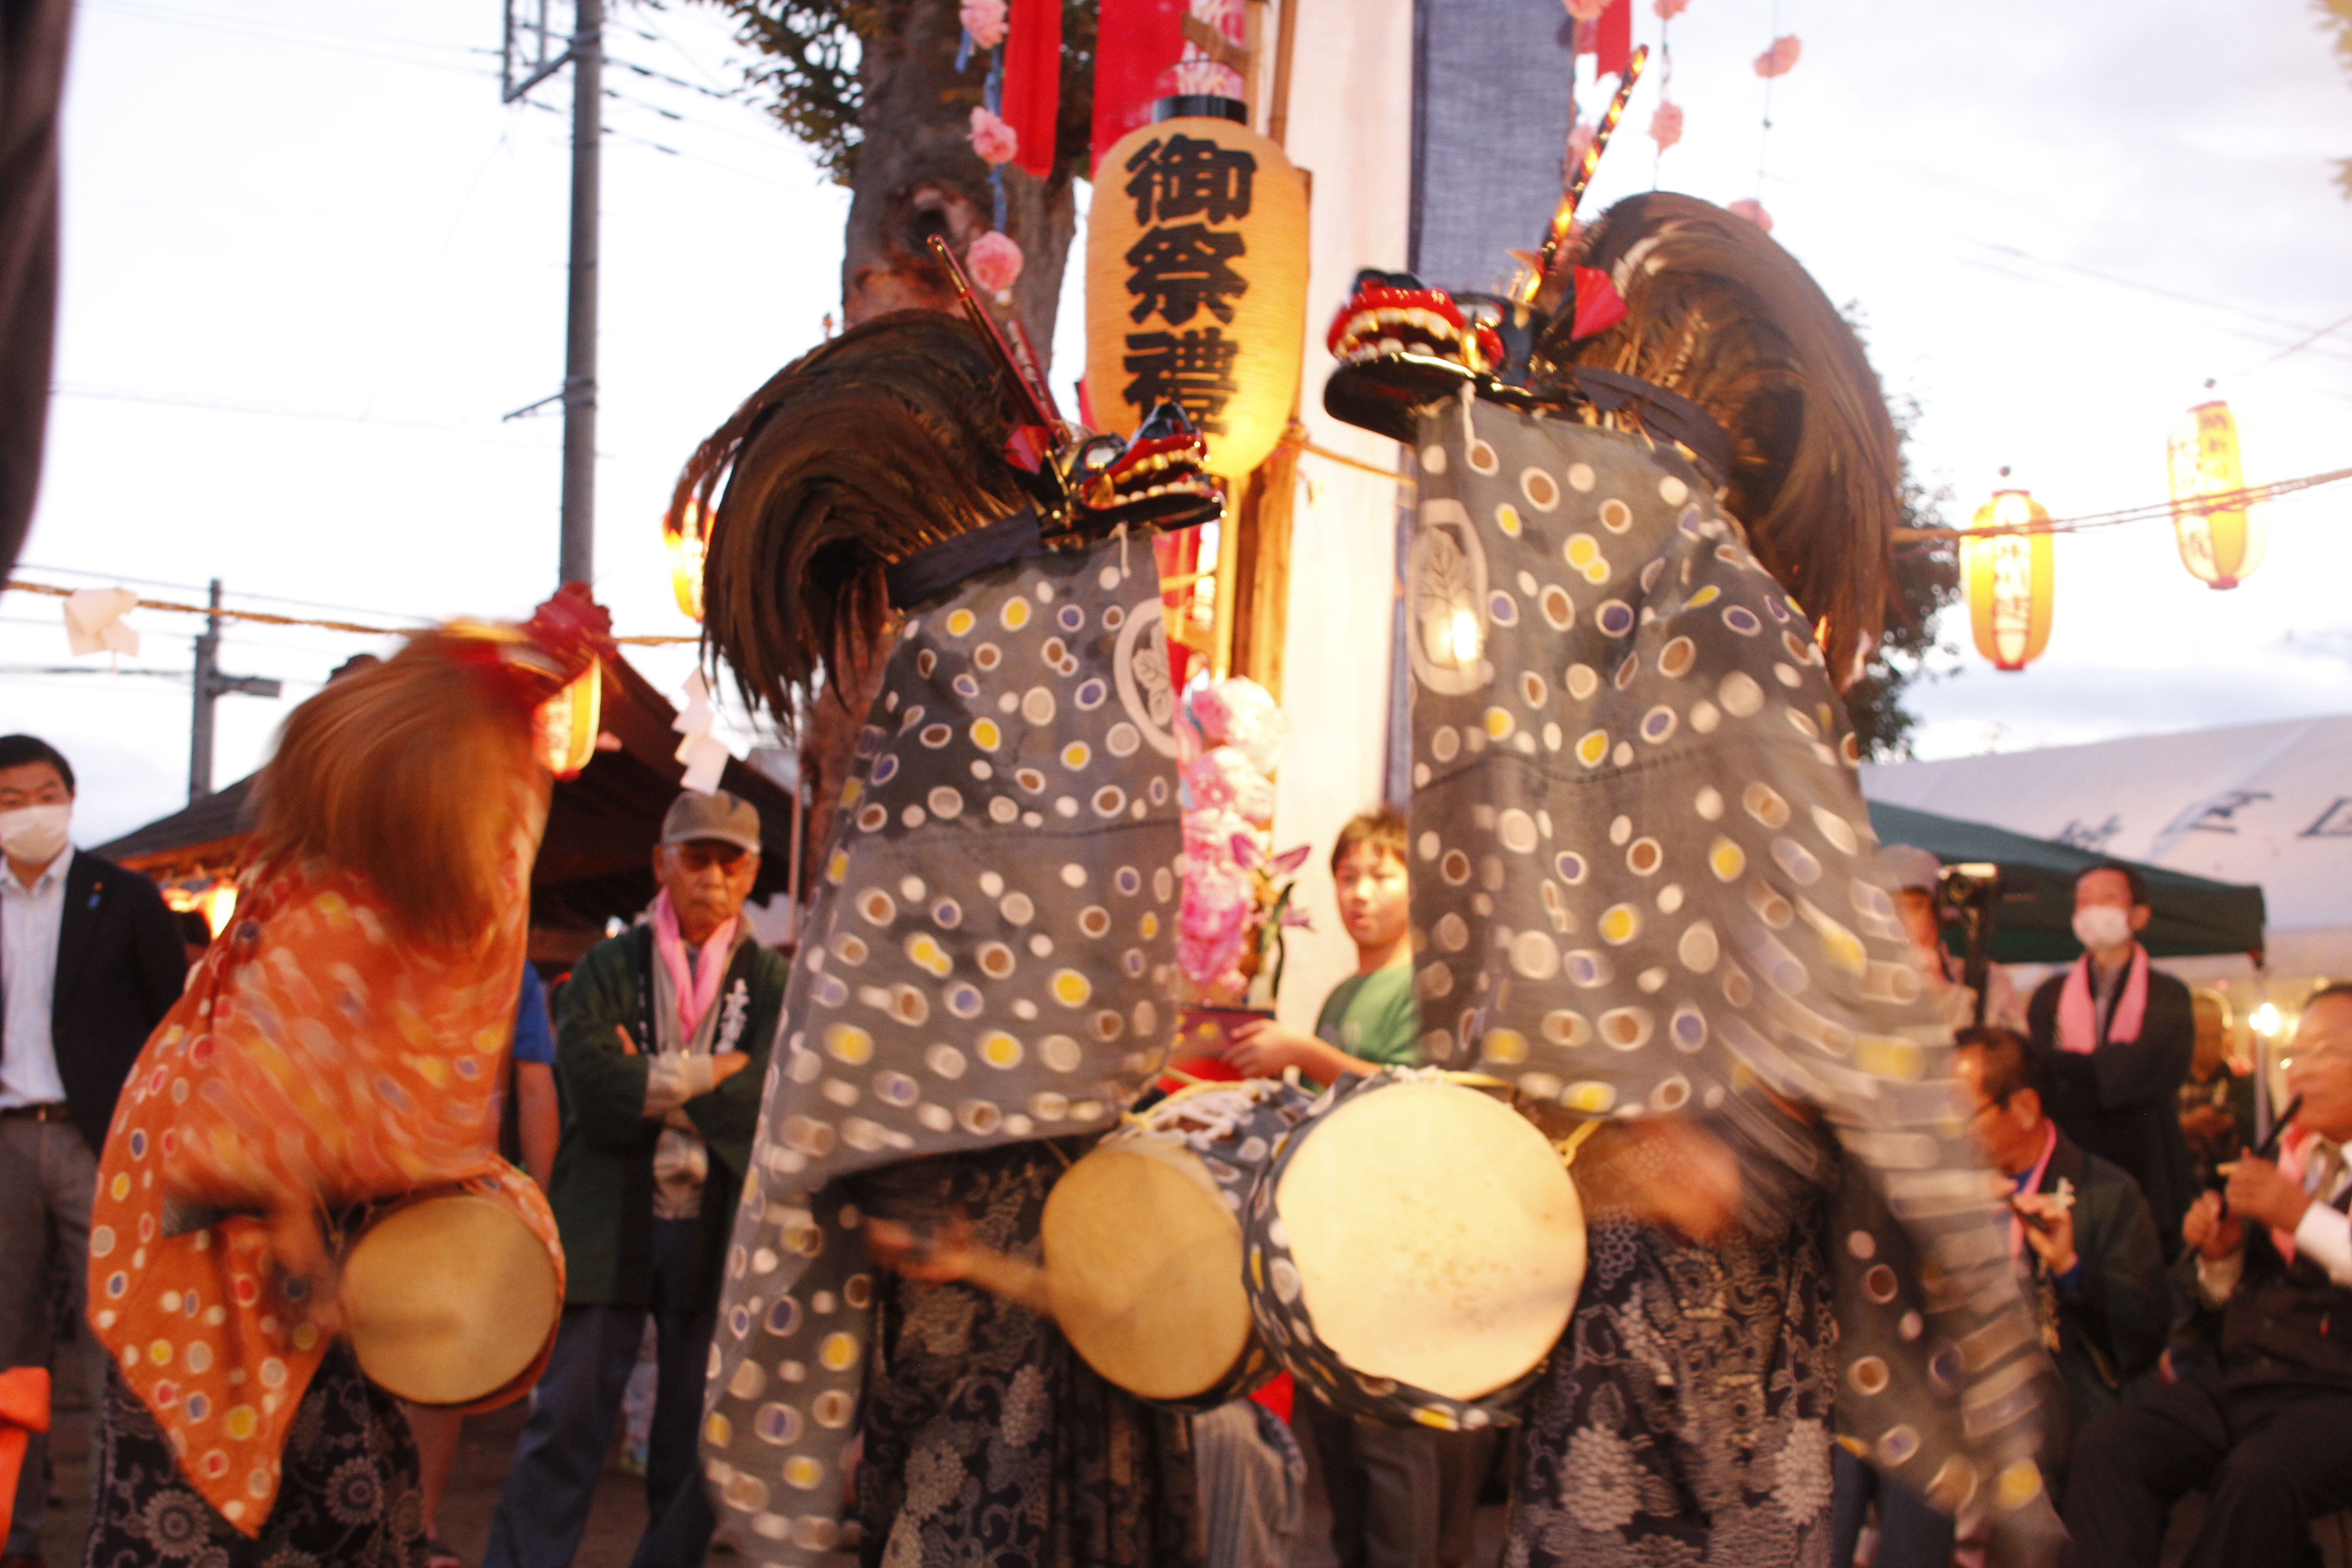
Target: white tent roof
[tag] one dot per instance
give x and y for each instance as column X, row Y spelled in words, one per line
column 2268, row 803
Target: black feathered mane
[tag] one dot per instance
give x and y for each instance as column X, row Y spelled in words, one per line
column 884, row 441
column 1718, row 312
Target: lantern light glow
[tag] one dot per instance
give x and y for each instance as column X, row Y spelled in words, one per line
column 2008, row 580
column 2221, row 546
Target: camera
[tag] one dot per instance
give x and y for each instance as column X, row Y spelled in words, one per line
column 1970, row 886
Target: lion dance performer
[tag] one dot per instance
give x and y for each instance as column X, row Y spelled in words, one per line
column 339, row 1046
column 1645, row 891
column 909, row 537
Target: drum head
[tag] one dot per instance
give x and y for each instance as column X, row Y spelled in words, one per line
column 448, row 1299
column 1146, row 1263
column 1437, row 1238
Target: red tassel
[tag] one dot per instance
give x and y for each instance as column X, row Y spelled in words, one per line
column 1614, row 52
column 1599, row 306
column 1032, row 80
column 1136, row 44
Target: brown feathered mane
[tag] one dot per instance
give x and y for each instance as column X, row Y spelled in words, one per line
column 884, row 441
column 1719, row 313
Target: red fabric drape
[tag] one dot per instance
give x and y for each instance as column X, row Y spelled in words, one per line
column 1136, row 42
column 1032, row 80
column 1613, row 49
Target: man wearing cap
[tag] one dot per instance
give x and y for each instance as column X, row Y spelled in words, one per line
column 662, row 1042
column 1917, row 875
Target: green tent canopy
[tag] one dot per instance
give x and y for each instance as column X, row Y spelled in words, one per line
column 2033, row 918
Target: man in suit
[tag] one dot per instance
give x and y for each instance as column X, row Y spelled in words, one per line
column 2083, row 1232
column 2115, row 1037
column 90, row 963
column 662, row 1040
column 2086, row 1249
column 2267, row 1427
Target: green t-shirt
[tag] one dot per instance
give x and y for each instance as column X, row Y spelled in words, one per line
column 1374, row 1017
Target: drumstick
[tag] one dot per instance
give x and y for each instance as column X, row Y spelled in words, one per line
column 1565, row 217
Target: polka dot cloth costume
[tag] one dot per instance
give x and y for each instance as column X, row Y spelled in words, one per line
column 988, row 961
column 319, row 1057
column 1643, row 872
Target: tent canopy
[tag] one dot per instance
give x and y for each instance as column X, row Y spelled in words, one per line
column 2265, row 804
column 2034, row 917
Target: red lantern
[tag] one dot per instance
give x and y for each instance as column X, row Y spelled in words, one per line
column 2008, row 580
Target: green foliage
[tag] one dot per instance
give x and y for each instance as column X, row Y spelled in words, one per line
column 809, row 68
column 2335, row 16
column 1927, row 577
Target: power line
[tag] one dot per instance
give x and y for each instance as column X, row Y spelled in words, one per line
column 2229, row 501
column 243, row 28
column 159, row 400
column 269, row 619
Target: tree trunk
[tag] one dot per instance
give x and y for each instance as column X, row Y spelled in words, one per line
column 918, row 175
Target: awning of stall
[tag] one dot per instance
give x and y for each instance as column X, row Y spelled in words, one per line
column 595, row 862
column 2032, row 918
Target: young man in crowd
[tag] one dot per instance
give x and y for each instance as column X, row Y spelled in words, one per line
column 90, row 963
column 2115, row 1037
column 1400, row 1497
column 661, row 1043
column 2266, row 1429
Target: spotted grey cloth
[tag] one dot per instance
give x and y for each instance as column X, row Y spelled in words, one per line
column 1642, row 867
column 987, row 962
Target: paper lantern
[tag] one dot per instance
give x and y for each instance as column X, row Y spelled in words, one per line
column 1196, row 285
column 565, row 729
column 2009, row 581
column 689, row 538
column 2219, row 545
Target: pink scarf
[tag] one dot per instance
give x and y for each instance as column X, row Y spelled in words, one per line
column 2078, row 1014
column 699, row 989
column 2032, row 1184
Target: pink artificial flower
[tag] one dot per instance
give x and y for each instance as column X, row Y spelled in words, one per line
column 992, row 138
column 1239, row 712
column 1222, row 779
column 993, row 261
column 1753, row 211
column 1668, row 10
column 1666, row 125
column 1580, row 142
column 1780, row 58
column 1586, row 10
column 1213, row 923
column 985, row 20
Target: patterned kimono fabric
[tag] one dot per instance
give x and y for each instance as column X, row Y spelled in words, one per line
column 318, row 1056
column 1648, row 887
column 981, row 990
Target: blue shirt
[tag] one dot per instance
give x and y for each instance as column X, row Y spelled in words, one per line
column 533, row 1040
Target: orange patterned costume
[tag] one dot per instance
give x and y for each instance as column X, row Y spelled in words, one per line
column 319, row 1060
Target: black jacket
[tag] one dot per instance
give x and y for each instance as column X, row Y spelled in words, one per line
column 2286, row 1323
column 2122, row 1101
column 120, row 965
column 2113, row 1320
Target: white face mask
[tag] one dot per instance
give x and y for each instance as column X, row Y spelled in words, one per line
column 34, row 833
column 2102, row 925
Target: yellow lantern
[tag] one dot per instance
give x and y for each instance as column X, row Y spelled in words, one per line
column 2219, row 545
column 2008, row 580
column 1196, row 285
column 689, row 538
column 565, row 727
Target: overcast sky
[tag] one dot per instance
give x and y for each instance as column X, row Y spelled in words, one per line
column 309, row 261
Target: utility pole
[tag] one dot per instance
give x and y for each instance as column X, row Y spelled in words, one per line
column 529, row 60
column 211, row 684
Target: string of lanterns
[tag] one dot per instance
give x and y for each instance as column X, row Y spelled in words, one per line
column 2006, row 561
